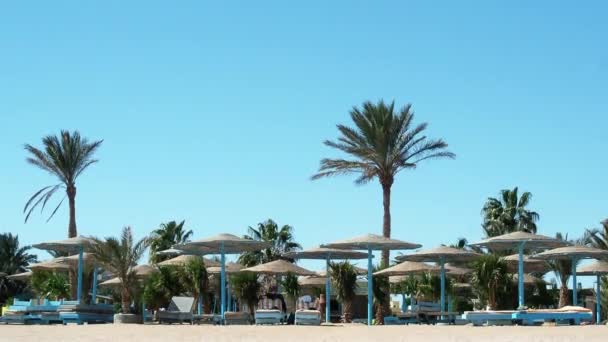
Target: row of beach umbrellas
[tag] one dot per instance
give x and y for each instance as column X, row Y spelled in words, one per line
column 351, row 249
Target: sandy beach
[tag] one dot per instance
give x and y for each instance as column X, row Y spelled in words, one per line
column 353, row 333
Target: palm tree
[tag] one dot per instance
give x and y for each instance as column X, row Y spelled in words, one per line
column 382, row 143
column 247, row 287
column 119, row 256
column 65, row 156
column 344, row 276
column 290, row 285
column 195, row 277
column 281, row 240
column 165, row 237
column 490, row 277
column 13, row 259
column 563, row 271
column 508, row 214
column 380, row 288
column 598, row 237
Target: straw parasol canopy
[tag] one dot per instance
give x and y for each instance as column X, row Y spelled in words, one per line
column 530, row 265
column 56, row 264
column 442, row 252
column 457, row 271
column 325, row 253
column 110, row 283
column 279, row 267
column 358, row 270
column 71, row 245
column 21, row 276
column 88, row 258
column 312, row 281
column 373, row 242
column 596, row 268
column 182, row 260
column 408, row 267
column 170, row 251
column 572, row 252
column 511, row 240
column 529, row 279
column 228, row 243
column 231, row 268
column 145, row 270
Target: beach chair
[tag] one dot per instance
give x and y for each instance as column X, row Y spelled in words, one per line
column 32, row 312
column 269, row 311
column 74, row 312
column 179, row 311
column 479, row 318
column 237, row 318
column 306, row 312
column 571, row 315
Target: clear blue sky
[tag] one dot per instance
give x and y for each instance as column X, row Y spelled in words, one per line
column 215, row 112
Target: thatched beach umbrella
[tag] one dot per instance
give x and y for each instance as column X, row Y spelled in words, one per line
column 521, row 241
column 23, row 276
column 596, row 269
column 371, row 242
column 56, row 264
column 409, row 268
column 573, row 253
column 75, row 245
column 326, row 254
column 279, row 267
column 183, row 259
column 457, row 271
column 170, row 251
column 141, row 272
column 529, row 279
column 230, row 268
column 223, row 244
column 530, row 265
column 312, row 281
column 440, row 255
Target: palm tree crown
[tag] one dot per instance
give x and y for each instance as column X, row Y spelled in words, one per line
column 13, row 258
column 281, row 240
column 509, row 214
column 598, row 237
column 345, row 278
column 383, row 142
column 165, row 237
column 119, row 256
column 65, row 156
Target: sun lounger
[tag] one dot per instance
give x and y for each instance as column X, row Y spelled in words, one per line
column 237, row 318
column 306, row 312
column 423, row 312
column 569, row 315
column 269, row 311
column 86, row 313
column 32, row 312
column 179, row 311
column 489, row 317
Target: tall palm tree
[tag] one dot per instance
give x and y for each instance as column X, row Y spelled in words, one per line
column 344, row 276
column 13, row 259
column 166, row 236
column 509, row 214
column 382, row 143
column 490, row 277
column 65, row 156
column 195, row 277
column 119, row 256
column 598, row 237
column 281, row 240
column 563, row 271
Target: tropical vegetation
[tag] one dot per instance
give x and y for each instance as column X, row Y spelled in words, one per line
column 195, row 278
column 165, row 237
column 120, row 256
column 344, row 276
column 48, row 284
column 281, row 241
column 66, row 157
column 490, row 277
column 508, row 214
column 383, row 142
column 13, row 259
column 247, row 288
column 290, row 285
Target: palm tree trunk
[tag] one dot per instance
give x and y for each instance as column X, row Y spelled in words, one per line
column 125, row 301
column 71, row 192
column 386, row 226
column 563, row 295
column 348, row 314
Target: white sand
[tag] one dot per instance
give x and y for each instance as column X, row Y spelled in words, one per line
column 352, row 333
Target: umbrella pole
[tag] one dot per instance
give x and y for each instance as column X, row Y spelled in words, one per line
column 80, row 266
column 598, row 298
column 94, row 300
column 574, row 294
column 520, row 274
column 327, row 292
column 370, row 284
column 442, row 303
column 222, row 281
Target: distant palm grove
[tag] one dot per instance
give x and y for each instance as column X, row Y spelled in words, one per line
column 381, row 141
